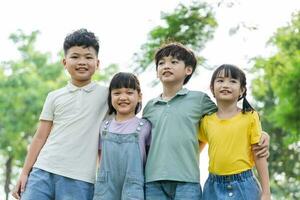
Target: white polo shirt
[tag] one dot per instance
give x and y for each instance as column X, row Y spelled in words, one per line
column 72, row 146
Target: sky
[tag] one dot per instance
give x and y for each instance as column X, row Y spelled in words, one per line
column 122, row 27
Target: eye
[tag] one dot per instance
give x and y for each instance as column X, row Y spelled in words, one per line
column 73, row 57
column 234, row 81
column 160, row 62
column 174, row 61
column 89, row 57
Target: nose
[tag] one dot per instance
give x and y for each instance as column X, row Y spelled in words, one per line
column 82, row 61
column 122, row 97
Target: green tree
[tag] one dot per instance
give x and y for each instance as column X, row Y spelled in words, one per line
column 23, row 88
column 277, row 92
column 191, row 25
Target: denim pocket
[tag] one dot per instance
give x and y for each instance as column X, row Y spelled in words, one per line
column 101, row 185
column 135, row 187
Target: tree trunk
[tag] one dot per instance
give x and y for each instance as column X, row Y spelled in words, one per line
column 8, row 172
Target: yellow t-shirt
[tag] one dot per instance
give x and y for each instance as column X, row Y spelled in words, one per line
column 230, row 141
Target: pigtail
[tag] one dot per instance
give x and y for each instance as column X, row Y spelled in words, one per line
column 246, row 106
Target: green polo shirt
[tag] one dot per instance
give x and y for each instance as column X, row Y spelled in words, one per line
column 174, row 149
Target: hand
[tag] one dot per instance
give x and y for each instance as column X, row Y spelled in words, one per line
column 20, row 186
column 266, row 196
column 262, row 149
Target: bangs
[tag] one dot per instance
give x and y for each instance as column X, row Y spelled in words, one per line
column 124, row 80
column 229, row 71
column 174, row 52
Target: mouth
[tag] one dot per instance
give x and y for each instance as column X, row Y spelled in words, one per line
column 123, row 104
column 81, row 69
column 225, row 92
column 167, row 73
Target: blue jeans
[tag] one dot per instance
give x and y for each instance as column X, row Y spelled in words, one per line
column 242, row 186
column 42, row 185
column 173, row 190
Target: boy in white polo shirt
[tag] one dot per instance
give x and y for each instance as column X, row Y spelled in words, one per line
column 61, row 161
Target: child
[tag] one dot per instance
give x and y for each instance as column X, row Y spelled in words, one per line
column 123, row 143
column 172, row 167
column 230, row 133
column 61, row 161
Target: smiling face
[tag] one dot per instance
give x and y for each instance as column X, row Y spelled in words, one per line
column 227, row 88
column 124, row 101
column 81, row 64
column 172, row 70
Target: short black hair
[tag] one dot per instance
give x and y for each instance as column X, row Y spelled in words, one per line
column 180, row 52
column 83, row 38
column 123, row 80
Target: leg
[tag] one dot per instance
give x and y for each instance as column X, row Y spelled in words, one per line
column 154, row 191
column 191, row 191
column 71, row 189
column 39, row 186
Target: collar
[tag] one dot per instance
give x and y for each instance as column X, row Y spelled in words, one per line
column 87, row 88
column 181, row 92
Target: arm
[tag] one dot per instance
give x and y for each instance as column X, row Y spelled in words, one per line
column 262, row 148
column 36, row 145
column 263, row 172
column 201, row 145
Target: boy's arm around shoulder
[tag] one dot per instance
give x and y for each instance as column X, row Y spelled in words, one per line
column 35, row 147
column 208, row 106
column 261, row 164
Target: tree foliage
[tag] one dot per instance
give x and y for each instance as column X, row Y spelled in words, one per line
column 23, row 88
column 191, row 25
column 277, row 91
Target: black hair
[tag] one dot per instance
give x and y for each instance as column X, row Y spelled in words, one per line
column 236, row 73
column 123, row 80
column 180, row 52
column 83, row 38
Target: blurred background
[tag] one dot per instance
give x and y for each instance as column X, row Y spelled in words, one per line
column 261, row 37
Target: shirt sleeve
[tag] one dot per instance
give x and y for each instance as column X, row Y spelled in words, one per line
column 202, row 133
column 255, row 129
column 209, row 106
column 48, row 109
column 147, row 130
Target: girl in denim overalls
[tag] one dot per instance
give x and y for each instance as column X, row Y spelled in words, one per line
column 231, row 133
column 123, row 143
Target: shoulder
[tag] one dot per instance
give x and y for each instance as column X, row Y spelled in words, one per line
column 56, row 93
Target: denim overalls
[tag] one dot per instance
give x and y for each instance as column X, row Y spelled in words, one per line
column 120, row 176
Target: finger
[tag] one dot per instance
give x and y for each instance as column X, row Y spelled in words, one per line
column 15, row 194
column 23, row 184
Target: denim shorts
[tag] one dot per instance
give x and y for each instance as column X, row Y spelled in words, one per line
column 242, row 186
column 42, row 185
column 172, row 190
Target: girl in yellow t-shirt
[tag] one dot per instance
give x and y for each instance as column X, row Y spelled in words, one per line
column 231, row 133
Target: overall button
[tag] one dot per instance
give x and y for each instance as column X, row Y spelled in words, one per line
column 230, row 194
column 229, row 187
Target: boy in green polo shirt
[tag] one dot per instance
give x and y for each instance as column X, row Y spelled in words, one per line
column 172, row 167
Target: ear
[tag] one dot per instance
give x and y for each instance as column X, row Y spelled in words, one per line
column 212, row 90
column 64, row 62
column 242, row 91
column 140, row 95
column 98, row 64
column 188, row 70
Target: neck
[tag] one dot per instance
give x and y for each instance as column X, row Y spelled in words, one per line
column 121, row 117
column 80, row 83
column 169, row 91
column 227, row 109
